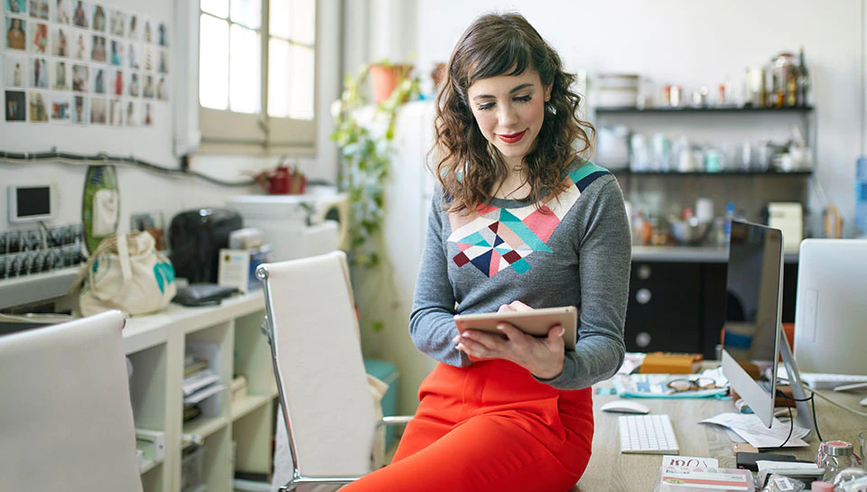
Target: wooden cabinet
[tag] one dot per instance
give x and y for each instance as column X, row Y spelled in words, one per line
column 664, row 310
column 680, row 306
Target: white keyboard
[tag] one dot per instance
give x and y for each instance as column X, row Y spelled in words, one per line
column 647, row 434
column 828, row 381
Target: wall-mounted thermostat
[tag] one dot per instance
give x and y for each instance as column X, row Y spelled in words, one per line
column 31, row 203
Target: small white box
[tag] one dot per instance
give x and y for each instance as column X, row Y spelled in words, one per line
column 151, row 443
column 237, row 267
column 788, row 217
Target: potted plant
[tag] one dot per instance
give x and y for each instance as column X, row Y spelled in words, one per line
column 364, row 136
column 385, row 77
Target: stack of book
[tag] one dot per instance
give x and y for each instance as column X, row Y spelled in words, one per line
column 200, row 382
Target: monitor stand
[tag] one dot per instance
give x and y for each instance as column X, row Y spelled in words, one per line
column 804, row 417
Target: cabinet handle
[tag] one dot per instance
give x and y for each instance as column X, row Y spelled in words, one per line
column 643, row 272
column 643, row 296
column 642, row 339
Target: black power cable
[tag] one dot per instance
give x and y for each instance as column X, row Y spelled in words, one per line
column 105, row 158
column 812, row 400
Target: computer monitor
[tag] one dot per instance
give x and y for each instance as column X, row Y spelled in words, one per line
column 831, row 307
column 754, row 339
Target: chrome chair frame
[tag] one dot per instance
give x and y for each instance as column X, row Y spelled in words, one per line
column 268, row 328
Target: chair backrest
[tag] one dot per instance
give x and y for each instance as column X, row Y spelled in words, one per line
column 66, row 419
column 327, row 405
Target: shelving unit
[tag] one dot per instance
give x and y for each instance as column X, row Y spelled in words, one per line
column 721, row 174
column 681, row 286
column 156, row 346
column 708, row 109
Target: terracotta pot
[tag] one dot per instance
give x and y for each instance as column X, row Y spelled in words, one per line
column 385, row 78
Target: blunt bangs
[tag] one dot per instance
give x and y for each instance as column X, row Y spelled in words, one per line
column 511, row 56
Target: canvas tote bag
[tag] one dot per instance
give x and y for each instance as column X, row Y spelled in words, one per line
column 126, row 272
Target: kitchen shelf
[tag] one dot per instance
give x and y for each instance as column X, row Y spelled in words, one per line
column 628, row 172
column 658, row 110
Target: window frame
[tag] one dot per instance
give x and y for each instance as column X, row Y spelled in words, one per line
column 229, row 132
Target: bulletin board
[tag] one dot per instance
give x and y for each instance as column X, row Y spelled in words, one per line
column 85, row 77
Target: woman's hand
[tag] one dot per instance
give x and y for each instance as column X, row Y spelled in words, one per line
column 543, row 357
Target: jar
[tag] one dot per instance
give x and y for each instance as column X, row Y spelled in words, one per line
column 834, row 456
column 851, row 479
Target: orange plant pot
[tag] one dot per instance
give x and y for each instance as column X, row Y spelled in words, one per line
column 385, row 78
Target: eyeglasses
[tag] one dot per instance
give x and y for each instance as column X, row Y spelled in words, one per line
column 679, row 385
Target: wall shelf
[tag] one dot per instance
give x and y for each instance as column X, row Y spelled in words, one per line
column 705, row 110
column 794, row 174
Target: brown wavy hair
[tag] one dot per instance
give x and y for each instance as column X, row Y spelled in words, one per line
column 467, row 167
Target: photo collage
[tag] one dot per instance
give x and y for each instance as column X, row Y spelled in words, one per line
column 82, row 63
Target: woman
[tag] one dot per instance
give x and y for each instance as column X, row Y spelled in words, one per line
column 15, row 37
column 60, row 47
column 522, row 222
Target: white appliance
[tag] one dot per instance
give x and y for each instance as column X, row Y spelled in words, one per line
column 789, row 218
column 295, row 225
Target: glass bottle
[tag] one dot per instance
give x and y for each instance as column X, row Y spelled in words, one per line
column 803, row 81
column 792, row 90
column 100, row 209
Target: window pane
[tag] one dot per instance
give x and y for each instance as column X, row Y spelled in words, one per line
column 278, row 18
column 220, row 8
column 301, row 71
column 245, row 79
column 303, row 19
column 278, row 78
column 213, row 62
column 247, row 12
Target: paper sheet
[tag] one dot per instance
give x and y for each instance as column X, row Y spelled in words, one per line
column 754, row 431
column 631, row 362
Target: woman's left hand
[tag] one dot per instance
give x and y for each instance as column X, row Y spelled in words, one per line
column 543, row 357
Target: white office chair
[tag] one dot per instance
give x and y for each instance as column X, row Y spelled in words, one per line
column 326, row 404
column 66, row 419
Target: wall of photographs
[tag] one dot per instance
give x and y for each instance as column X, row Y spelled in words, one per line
column 71, row 62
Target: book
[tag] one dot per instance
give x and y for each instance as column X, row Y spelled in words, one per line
column 197, row 366
column 685, row 479
column 671, row 363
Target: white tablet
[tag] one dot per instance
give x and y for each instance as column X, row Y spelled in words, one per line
column 536, row 322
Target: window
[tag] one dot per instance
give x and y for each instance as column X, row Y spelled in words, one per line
column 257, row 74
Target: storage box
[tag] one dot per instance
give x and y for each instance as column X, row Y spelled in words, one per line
column 152, row 444
column 192, row 469
column 387, row 373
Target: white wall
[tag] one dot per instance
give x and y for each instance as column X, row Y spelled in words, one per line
column 699, row 43
column 144, row 191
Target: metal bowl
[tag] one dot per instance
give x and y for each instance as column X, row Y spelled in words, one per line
column 690, row 232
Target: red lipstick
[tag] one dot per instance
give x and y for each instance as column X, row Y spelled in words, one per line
column 515, row 137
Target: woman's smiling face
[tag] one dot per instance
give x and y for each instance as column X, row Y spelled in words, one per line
column 509, row 110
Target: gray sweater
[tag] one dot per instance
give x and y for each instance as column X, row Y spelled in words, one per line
column 578, row 255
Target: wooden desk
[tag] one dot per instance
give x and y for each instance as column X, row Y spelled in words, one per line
column 611, row 471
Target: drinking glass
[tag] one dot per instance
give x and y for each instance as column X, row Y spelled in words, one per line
column 862, row 441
